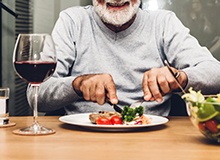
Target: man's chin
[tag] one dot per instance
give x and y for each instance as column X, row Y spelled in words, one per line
column 116, row 24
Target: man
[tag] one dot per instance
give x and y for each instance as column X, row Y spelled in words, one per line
column 114, row 51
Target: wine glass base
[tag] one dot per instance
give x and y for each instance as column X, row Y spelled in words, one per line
column 10, row 124
column 34, row 130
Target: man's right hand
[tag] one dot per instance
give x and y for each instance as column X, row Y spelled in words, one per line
column 96, row 88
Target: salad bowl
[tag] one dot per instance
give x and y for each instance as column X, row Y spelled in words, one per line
column 204, row 113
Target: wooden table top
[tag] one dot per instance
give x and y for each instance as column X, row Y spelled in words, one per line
column 176, row 140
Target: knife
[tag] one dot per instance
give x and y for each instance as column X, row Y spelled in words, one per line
column 116, row 108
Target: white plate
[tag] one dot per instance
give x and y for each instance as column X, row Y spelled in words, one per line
column 83, row 121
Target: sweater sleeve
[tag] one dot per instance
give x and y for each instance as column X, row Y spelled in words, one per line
column 57, row 91
column 184, row 52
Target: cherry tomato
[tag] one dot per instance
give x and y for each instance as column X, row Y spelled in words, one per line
column 212, row 125
column 103, row 121
column 201, row 126
column 116, row 120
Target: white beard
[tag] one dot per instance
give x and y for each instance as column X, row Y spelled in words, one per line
column 116, row 18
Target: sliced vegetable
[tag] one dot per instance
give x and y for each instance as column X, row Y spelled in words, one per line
column 201, row 126
column 206, row 112
column 116, row 120
column 103, row 121
column 212, row 126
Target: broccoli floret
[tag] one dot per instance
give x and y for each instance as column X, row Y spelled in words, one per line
column 129, row 114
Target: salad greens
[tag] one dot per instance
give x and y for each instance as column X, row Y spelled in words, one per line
column 194, row 96
column 129, row 114
column 207, row 108
column 205, row 112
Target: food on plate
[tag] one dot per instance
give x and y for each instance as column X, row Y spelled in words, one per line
column 95, row 116
column 204, row 111
column 128, row 116
column 103, row 121
column 116, row 120
column 109, row 121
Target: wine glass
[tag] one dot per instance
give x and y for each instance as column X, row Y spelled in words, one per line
column 34, row 60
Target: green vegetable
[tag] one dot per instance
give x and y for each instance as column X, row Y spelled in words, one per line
column 129, row 114
column 207, row 108
column 205, row 112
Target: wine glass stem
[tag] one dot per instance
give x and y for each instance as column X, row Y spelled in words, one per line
column 35, row 109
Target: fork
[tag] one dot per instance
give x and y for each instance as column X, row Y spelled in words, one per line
column 137, row 103
column 176, row 80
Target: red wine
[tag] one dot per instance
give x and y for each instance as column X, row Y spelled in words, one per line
column 35, row 72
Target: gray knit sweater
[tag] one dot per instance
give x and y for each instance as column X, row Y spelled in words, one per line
column 85, row 45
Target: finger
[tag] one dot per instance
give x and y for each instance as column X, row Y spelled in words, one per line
column 97, row 93
column 92, row 92
column 85, row 91
column 163, row 84
column 146, row 90
column 111, row 92
column 154, row 88
column 172, row 83
column 100, row 94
